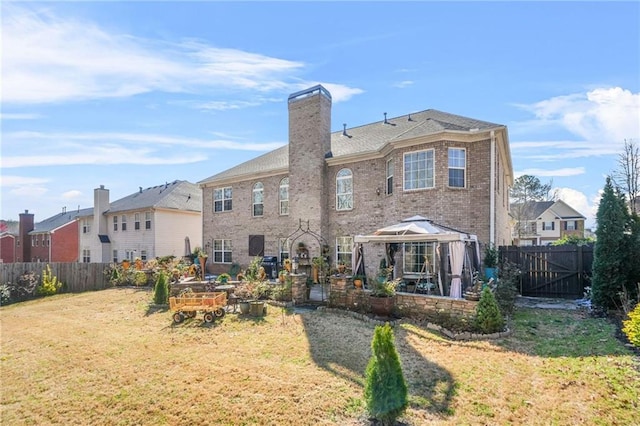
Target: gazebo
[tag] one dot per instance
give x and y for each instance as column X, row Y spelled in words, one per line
column 459, row 247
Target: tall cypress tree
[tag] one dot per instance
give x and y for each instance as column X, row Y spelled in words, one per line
column 610, row 268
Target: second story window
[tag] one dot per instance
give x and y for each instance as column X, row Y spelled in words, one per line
column 222, row 199
column 457, row 167
column 86, row 226
column 284, row 196
column 390, row 176
column 258, row 199
column 419, row 170
column 136, row 221
column 124, row 223
column 344, row 190
column 115, row 223
column 548, row 226
column 147, row 220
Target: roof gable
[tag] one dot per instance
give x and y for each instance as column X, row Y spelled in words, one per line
column 54, row 222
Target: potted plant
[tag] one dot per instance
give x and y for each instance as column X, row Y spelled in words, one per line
column 223, row 278
column 287, row 264
column 358, row 281
column 382, row 297
column 244, row 293
column 341, row 267
column 282, row 275
column 490, row 261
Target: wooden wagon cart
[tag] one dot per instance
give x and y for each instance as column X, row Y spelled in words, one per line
column 187, row 305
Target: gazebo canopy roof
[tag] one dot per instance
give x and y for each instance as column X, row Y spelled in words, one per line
column 415, row 229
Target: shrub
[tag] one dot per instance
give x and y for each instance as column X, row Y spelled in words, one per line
column 506, row 288
column 631, row 327
column 385, row 391
column 50, row 284
column 253, row 270
column 161, row 290
column 282, row 292
column 223, row 278
column 139, row 278
column 262, row 290
column 488, row 316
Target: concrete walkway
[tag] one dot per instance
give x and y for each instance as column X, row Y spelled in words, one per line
column 547, row 303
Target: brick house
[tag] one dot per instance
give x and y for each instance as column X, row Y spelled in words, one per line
column 56, row 238
column 149, row 223
column 324, row 188
column 543, row 222
column 8, row 237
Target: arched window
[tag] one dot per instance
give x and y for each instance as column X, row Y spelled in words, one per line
column 284, row 196
column 258, row 199
column 344, row 190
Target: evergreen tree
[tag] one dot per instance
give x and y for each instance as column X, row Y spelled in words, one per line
column 488, row 316
column 161, row 290
column 385, row 391
column 610, row 268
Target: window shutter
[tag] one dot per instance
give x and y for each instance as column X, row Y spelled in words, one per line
column 553, row 226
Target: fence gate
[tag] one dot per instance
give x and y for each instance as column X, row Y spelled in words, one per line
column 551, row 271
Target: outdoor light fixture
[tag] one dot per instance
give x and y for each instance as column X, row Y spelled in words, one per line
column 294, row 264
column 377, row 191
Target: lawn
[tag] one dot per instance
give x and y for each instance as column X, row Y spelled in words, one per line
column 108, row 358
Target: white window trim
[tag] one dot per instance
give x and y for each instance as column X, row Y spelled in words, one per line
column 404, row 170
column 464, row 169
column 344, row 194
column 342, row 241
column 223, row 199
column 227, row 247
column 283, row 201
column 257, row 188
column 389, row 176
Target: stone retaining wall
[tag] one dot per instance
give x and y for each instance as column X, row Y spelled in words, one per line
column 419, row 306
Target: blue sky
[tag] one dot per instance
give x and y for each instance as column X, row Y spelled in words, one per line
column 128, row 94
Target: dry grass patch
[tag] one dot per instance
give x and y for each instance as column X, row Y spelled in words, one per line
column 106, row 358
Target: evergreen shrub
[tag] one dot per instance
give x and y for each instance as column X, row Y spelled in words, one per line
column 488, row 316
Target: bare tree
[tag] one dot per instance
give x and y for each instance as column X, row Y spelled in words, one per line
column 627, row 175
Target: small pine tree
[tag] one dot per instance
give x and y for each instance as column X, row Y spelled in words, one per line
column 385, row 391
column 50, row 284
column 488, row 316
column 632, row 326
column 161, row 290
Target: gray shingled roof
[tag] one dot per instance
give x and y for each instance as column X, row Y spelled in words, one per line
column 369, row 138
column 178, row 195
column 59, row 220
column 533, row 210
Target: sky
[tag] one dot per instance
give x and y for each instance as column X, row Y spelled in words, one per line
column 136, row 94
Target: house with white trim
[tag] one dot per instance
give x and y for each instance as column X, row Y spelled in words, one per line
column 543, row 222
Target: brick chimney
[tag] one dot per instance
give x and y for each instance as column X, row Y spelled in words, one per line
column 26, row 225
column 309, row 143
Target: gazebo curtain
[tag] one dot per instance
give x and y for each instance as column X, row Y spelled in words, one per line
column 456, row 258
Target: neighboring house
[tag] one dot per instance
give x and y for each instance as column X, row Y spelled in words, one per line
column 56, row 239
column 8, row 236
column 149, row 223
column 325, row 188
column 543, row 222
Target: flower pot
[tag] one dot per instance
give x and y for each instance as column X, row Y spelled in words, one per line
column 357, row 283
column 490, row 273
column 257, row 308
column 244, row 306
column 382, row 306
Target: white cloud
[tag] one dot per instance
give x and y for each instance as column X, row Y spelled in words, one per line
column 19, row 116
column 114, row 148
column 579, row 202
column 10, row 180
column 71, row 195
column 602, row 118
column 45, row 60
column 339, row 92
column 567, row 171
column 403, row 84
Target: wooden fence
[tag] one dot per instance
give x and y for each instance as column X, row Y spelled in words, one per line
column 551, row 271
column 77, row 277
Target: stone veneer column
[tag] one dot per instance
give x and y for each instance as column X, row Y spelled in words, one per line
column 299, row 288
